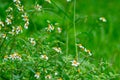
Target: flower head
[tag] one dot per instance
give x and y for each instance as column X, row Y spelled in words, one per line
column 50, row 27
column 57, row 49
column 32, row 41
column 44, row 57
column 15, row 56
column 18, row 29
column 26, row 25
column 25, row 17
column 38, row 7
column 59, row 30
column 37, row 75
column 102, row 19
column 48, row 77
column 75, row 63
column 8, row 21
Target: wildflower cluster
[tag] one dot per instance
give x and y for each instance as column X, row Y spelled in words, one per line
column 14, row 56
column 24, row 15
column 44, row 55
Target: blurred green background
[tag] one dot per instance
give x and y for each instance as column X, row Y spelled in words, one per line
column 103, row 39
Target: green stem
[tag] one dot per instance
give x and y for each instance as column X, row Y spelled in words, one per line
column 67, row 42
column 75, row 29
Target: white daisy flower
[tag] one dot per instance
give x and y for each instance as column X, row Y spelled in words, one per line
column 75, row 63
column 44, row 57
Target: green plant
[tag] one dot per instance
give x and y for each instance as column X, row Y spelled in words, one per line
column 43, row 54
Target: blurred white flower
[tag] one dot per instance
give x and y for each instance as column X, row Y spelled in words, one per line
column 38, row 7
column 18, row 29
column 32, row 41
column 59, row 30
column 48, row 77
column 56, row 73
column 44, row 57
column 75, row 63
column 50, row 27
column 102, row 19
column 57, row 49
column 8, row 21
column 37, row 75
column 25, row 17
column 84, row 49
column 15, row 56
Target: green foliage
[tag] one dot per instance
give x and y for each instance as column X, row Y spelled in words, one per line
column 41, row 40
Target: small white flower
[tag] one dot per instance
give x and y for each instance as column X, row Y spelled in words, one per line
column 25, row 17
column 20, row 8
column 8, row 21
column 38, row 7
column 57, row 49
column 80, row 46
column 102, row 19
column 50, row 27
column 37, row 75
column 15, row 56
column 44, row 57
column 59, row 30
column 32, row 41
column 88, row 51
column 75, row 63
column 48, row 77
column 56, row 73
column 26, row 25
column 18, row 29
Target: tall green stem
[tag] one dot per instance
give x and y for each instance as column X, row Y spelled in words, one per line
column 67, row 41
column 75, row 29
